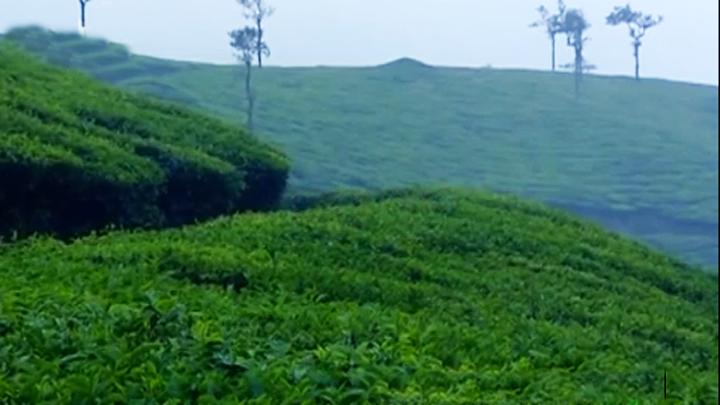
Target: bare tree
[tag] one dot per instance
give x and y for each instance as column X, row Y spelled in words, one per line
column 638, row 23
column 552, row 23
column 83, row 5
column 244, row 41
column 257, row 11
column 574, row 26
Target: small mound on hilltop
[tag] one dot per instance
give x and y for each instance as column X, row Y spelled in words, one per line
column 426, row 297
column 76, row 156
column 406, row 63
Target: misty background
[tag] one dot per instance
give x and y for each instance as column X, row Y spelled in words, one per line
column 470, row 33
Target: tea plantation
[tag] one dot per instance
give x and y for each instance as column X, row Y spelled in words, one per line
column 76, row 155
column 408, row 297
column 640, row 158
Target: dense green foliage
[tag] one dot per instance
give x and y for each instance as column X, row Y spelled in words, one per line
column 404, row 297
column 641, row 158
column 76, row 155
column 411, row 297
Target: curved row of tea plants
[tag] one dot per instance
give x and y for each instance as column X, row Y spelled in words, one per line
column 412, row 297
column 76, row 155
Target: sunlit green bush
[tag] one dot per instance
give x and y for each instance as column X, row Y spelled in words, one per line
column 409, row 297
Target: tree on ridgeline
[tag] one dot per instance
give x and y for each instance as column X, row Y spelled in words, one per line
column 245, row 43
column 83, row 5
column 258, row 11
column 552, row 23
column 574, row 26
column 638, row 23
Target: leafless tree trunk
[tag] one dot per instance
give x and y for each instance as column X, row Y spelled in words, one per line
column 552, row 40
column 258, row 22
column 250, row 96
column 578, row 67
column 83, row 3
column 637, row 59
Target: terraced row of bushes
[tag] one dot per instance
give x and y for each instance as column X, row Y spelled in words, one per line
column 76, row 156
column 432, row 297
column 407, row 123
column 109, row 61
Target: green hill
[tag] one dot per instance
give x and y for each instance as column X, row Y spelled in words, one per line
column 410, row 297
column 640, row 158
column 76, row 155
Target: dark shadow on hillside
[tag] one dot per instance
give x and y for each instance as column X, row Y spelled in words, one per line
column 648, row 221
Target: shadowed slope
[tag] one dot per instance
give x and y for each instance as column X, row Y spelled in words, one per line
column 76, row 155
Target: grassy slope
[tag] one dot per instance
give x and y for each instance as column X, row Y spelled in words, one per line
column 641, row 158
column 77, row 155
column 437, row 297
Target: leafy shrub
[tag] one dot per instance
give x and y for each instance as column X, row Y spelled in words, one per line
column 407, row 297
column 77, row 156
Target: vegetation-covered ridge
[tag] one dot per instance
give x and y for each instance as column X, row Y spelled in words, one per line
column 638, row 157
column 412, row 297
column 76, row 155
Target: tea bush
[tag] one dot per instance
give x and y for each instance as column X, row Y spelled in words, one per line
column 77, row 156
column 406, row 297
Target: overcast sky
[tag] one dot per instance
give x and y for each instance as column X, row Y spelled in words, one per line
column 368, row 32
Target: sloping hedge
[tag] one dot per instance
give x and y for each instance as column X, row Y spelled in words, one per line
column 422, row 297
column 76, row 155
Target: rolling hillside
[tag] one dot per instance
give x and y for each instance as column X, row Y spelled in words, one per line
column 640, row 158
column 77, row 155
column 405, row 296
column 408, row 297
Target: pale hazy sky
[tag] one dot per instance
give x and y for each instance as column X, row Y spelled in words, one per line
column 368, row 32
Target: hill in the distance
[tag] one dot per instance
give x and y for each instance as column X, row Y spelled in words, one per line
column 423, row 297
column 407, row 64
column 639, row 157
column 77, row 155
